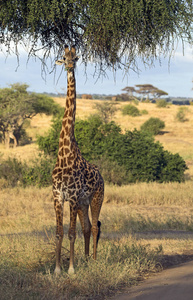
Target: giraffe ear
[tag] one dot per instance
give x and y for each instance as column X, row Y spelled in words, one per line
column 73, row 50
column 66, row 49
column 59, row 62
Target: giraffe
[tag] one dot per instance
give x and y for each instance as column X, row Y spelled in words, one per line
column 74, row 179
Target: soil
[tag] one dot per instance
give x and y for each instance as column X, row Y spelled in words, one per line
column 174, row 282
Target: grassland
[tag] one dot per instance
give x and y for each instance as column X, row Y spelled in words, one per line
column 144, row 226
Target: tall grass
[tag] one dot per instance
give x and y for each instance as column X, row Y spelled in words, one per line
column 125, row 254
column 180, row 194
column 26, row 269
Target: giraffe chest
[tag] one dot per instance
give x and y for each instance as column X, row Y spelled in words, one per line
column 76, row 183
column 78, row 191
column 75, row 186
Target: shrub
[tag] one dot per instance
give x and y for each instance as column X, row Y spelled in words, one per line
column 111, row 171
column 92, row 136
column 161, row 103
column 40, row 173
column 122, row 158
column 173, row 167
column 130, row 110
column 106, row 110
column 144, row 159
column 144, row 112
column 135, row 101
column 153, row 126
column 181, row 114
column 16, row 172
column 12, row 171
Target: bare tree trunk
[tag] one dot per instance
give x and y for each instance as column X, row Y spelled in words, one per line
column 9, row 135
column 6, row 139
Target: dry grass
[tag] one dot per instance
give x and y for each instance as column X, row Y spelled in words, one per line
column 152, row 194
column 27, row 252
column 133, row 234
column 27, row 152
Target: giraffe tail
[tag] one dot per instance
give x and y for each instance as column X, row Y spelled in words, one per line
column 99, row 231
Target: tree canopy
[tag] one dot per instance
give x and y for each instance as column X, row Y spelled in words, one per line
column 17, row 105
column 104, row 31
column 145, row 89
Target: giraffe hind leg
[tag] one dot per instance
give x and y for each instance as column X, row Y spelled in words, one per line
column 72, row 236
column 86, row 226
column 95, row 205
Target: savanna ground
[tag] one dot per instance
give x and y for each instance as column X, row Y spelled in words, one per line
column 145, row 226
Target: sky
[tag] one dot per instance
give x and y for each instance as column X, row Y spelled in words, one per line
column 173, row 76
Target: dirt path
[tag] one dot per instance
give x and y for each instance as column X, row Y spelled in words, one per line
column 174, row 283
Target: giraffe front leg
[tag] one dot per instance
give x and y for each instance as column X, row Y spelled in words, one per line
column 59, row 233
column 72, row 237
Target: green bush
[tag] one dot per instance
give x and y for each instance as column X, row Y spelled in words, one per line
column 106, row 110
column 135, row 101
column 144, row 112
column 122, row 158
column 92, row 136
column 181, row 114
column 144, row 159
column 130, row 110
column 12, row 171
column 20, row 173
column 50, row 142
column 161, row 103
column 111, row 171
column 40, row 173
column 153, row 126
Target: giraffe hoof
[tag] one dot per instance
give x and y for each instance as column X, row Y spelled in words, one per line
column 71, row 271
column 57, row 271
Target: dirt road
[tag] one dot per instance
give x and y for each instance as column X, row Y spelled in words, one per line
column 175, row 283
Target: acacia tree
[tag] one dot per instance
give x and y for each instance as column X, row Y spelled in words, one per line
column 104, row 31
column 17, row 105
column 158, row 93
column 145, row 89
column 129, row 90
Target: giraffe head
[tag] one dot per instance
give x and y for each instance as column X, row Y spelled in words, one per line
column 69, row 59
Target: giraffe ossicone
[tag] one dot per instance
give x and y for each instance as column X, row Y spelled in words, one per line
column 74, row 179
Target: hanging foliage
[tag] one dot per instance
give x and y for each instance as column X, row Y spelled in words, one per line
column 104, row 31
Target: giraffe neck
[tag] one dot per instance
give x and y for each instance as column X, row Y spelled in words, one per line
column 67, row 137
